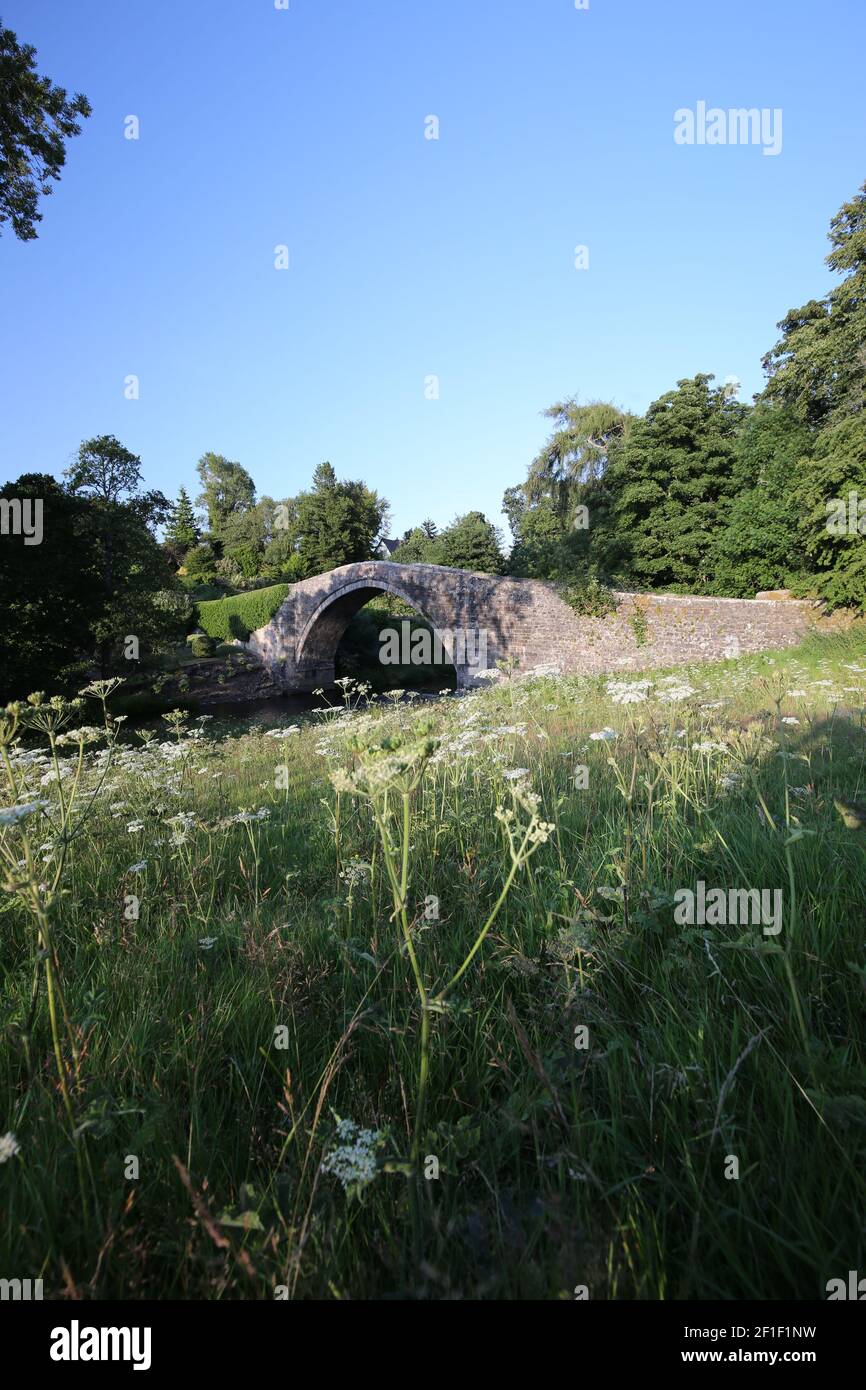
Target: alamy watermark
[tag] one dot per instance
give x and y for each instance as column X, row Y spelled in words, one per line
column 21, row 1290
column 725, row 907
column 846, row 517
column 460, row 646
column 22, row 517
column 736, row 126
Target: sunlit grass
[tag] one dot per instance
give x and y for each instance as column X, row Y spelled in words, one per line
column 266, row 903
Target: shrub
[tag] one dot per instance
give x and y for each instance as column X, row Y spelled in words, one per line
column 176, row 610
column 589, row 595
column 237, row 617
column 202, row 646
column 200, row 562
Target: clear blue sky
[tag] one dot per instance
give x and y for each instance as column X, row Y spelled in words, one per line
column 410, row 257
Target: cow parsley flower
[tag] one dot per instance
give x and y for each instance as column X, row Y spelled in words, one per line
column 628, row 692
column 11, row 815
column 9, row 1146
column 353, row 1162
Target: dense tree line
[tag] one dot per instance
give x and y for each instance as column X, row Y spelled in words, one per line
column 705, row 494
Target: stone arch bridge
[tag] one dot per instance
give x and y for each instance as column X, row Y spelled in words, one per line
column 522, row 621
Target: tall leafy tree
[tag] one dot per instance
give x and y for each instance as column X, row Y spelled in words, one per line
column 830, row 496
column 818, row 366
column 577, row 452
column 227, row 489
column 673, row 482
column 817, row 371
column 758, row 547
column 36, row 120
column 472, row 542
column 338, row 522
column 121, row 520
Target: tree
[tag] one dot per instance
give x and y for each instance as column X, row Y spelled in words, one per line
column 104, row 469
column 121, row 521
column 281, row 559
column 472, row 542
column 338, row 523
column 539, row 536
column 49, row 589
column 818, row 367
column 576, row 454
column 830, row 496
column 418, row 548
column 247, row 534
column 672, row 484
column 758, row 547
column 183, row 531
column 36, row 120
column 200, row 563
column 227, row 489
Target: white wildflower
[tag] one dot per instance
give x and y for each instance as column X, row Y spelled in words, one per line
column 9, row 1146
column 353, row 1162
column 11, row 815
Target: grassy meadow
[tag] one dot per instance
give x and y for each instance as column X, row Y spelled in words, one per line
column 393, row 1002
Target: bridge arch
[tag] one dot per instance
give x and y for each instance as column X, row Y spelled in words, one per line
column 316, row 648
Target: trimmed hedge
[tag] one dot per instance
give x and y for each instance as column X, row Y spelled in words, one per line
column 237, row 617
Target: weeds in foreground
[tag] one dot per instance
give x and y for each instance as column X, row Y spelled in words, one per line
column 373, row 1026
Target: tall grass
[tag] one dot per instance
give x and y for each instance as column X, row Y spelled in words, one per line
column 358, row 1043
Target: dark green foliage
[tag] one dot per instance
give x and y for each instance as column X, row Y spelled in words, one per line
column 36, row 120
column 242, row 614
column 200, row 590
column 835, row 482
column 46, row 588
column 200, row 563
column 542, row 546
column 418, row 548
column 818, row 367
column 757, row 548
column 182, row 532
column 589, row 595
column 202, row 646
column 227, row 489
column 673, row 483
column 133, row 567
column 471, row 542
column 360, row 647
column 338, row 522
